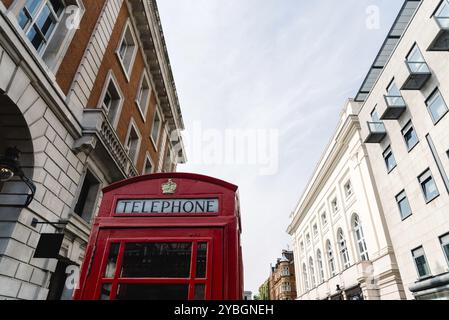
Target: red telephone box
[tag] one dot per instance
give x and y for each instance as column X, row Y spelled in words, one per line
column 165, row 236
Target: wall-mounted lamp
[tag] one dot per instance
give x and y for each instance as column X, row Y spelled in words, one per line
column 10, row 168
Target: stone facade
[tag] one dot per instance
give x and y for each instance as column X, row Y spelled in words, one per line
column 53, row 110
column 340, row 239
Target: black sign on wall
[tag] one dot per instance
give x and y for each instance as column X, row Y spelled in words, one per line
column 49, row 245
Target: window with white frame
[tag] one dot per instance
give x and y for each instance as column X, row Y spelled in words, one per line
column 308, row 239
column 286, row 287
column 305, row 278
column 312, row 273
column 143, row 95
column 334, row 205
column 285, row 271
column 127, row 49
column 319, row 261
column 436, row 106
column 428, row 186
column 330, row 258
column 442, row 14
column 324, row 218
column 156, row 127
column 404, row 205
column 421, row 264
column 112, row 100
column 416, row 61
column 389, row 159
column 360, row 238
column 49, row 25
column 302, row 247
column 148, row 166
column 348, row 189
column 444, row 240
column 344, row 254
column 132, row 143
column 315, row 230
column 410, row 137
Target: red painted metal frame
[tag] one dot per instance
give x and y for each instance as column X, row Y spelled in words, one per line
column 225, row 274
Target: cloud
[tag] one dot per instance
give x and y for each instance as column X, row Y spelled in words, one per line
column 282, row 64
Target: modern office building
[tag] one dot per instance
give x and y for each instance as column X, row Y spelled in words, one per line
column 88, row 98
column 340, row 238
column 405, row 124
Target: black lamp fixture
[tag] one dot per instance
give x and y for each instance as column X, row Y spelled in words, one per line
column 10, row 168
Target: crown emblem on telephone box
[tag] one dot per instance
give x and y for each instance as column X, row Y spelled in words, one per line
column 169, row 187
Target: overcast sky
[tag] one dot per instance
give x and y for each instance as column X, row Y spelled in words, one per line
column 264, row 65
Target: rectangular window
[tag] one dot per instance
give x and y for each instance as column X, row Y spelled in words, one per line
column 85, row 206
column 112, row 100
column 375, row 116
column 156, row 128
column 421, row 262
column 404, row 205
column 148, row 168
column 348, row 189
column 390, row 161
column 39, row 18
column 416, row 62
column 436, row 106
column 428, row 186
column 132, row 143
column 143, row 95
column 334, row 205
column 315, row 230
column 324, row 218
column 444, row 240
column 127, row 50
column 410, row 137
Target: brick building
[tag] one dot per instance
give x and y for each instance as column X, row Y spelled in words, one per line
column 281, row 283
column 88, row 97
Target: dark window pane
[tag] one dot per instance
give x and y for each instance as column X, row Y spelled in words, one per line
column 421, row 264
column 57, row 6
column 430, row 189
column 106, row 291
column 200, row 292
column 112, row 260
column 157, row 260
column 446, row 251
column 201, row 258
column 45, row 22
column 35, row 38
column 153, row 292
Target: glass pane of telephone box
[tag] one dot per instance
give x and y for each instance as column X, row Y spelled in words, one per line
column 153, row 292
column 156, row 260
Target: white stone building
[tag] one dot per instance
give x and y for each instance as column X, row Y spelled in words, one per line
column 405, row 122
column 341, row 244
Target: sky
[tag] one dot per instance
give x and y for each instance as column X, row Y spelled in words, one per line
column 275, row 74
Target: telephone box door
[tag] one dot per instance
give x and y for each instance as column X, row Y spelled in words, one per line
column 156, row 264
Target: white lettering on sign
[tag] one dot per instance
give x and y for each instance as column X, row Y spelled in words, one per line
column 159, row 206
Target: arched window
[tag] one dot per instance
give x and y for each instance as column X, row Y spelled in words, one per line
column 360, row 238
column 304, row 275
column 312, row 273
column 344, row 254
column 330, row 258
column 319, row 261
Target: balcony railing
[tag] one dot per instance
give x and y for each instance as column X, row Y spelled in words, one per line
column 441, row 40
column 419, row 73
column 377, row 132
column 395, row 107
column 100, row 138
